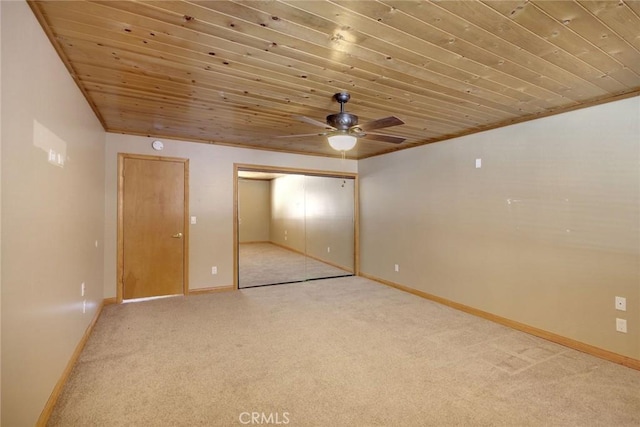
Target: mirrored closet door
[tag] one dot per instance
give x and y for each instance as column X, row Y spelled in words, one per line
column 294, row 227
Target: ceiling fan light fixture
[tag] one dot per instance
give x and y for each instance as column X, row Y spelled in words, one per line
column 342, row 142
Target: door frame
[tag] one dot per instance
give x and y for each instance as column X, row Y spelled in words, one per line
column 120, row 249
column 276, row 169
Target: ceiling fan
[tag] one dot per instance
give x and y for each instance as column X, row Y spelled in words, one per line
column 343, row 130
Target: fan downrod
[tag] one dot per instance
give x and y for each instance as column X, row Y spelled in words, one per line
column 342, row 121
column 342, row 98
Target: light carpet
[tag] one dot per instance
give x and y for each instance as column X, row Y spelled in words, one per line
column 339, row 352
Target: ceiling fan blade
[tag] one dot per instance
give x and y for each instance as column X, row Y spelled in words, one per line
column 381, row 123
column 384, row 138
column 313, row 122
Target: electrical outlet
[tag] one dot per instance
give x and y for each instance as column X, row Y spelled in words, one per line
column 621, row 303
column 396, row 267
column 621, row 325
column 328, row 249
column 214, row 270
column 82, row 287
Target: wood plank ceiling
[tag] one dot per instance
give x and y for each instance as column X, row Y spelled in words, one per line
column 236, row 72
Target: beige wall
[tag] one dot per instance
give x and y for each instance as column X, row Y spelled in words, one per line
column 545, row 233
column 254, row 210
column 211, row 200
column 52, row 216
column 314, row 215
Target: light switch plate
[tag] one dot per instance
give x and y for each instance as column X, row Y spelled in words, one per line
column 621, row 303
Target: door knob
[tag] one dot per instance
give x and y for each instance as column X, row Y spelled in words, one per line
column 177, row 236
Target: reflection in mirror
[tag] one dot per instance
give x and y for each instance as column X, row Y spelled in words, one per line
column 293, row 228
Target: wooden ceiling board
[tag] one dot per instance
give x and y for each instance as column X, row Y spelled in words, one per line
column 240, row 73
column 620, row 17
column 558, row 26
column 451, row 55
column 506, row 20
column 635, row 7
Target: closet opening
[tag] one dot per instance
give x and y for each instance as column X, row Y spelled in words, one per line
column 293, row 226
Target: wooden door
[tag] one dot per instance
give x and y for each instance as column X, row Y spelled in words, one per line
column 152, row 226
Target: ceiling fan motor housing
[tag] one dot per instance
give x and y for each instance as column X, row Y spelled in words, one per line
column 342, row 121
